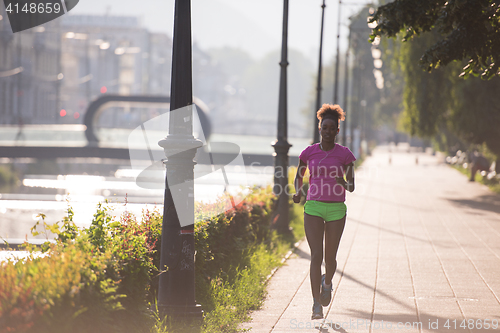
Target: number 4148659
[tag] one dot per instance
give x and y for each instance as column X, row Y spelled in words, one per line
column 471, row 324
column 34, row 8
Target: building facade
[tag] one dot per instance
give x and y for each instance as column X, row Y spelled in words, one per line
column 50, row 73
column 29, row 73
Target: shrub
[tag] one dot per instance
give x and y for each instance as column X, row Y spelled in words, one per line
column 8, row 177
column 114, row 263
column 104, row 278
column 61, row 292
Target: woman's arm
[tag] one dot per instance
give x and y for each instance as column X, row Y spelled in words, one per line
column 301, row 169
column 349, row 175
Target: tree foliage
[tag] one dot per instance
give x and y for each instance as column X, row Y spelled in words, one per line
column 455, row 112
column 469, row 30
column 475, row 112
column 425, row 95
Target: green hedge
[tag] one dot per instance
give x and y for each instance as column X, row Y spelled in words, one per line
column 103, row 278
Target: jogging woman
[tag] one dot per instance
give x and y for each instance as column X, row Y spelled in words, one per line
column 325, row 210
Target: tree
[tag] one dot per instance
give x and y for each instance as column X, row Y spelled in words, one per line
column 469, row 30
column 448, row 39
column 426, row 96
column 475, row 112
column 453, row 111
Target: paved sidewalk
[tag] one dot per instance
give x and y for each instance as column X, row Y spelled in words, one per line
column 421, row 249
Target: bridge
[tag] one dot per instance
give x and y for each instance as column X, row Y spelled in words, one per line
column 88, row 140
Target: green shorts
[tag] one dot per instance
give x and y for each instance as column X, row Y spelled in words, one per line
column 328, row 211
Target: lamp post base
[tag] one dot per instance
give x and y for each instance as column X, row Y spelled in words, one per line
column 192, row 311
column 281, row 186
column 182, row 318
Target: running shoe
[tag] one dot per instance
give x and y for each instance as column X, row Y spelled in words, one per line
column 325, row 293
column 317, row 310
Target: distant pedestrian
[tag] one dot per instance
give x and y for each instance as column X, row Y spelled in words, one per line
column 20, row 127
column 478, row 163
column 325, row 210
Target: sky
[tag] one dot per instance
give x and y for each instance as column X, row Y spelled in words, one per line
column 252, row 25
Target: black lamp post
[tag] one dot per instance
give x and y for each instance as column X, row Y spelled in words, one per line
column 19, row 81
column 346, row 89
column 5, row 38
column 176, row 294
column 356, row 33
column 336, row 80
column 318, row 86
column 59, row 76
column 281, row 146
column 346, row 79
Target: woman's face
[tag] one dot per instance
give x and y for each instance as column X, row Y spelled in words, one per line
column 328, row 130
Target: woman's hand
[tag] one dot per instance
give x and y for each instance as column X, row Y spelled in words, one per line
column 349, row 184
column 301, row 169
column 341, row 181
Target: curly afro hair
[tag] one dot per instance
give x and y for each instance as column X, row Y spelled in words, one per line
column 329, row 111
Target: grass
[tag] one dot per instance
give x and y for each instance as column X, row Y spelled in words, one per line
column 493, row 184
column 234, row 300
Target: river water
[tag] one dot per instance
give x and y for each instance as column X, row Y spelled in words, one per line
column 52, row 194
column 83, row 183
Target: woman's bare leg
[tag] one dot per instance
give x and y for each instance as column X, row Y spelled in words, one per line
column 314, row 227
column 333, row 233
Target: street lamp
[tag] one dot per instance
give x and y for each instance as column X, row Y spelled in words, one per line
column 281, row 146
column 358, row 33
column 346, row 90
column 318, row 86
column 19, row 81
column 336, row 80
column 176, row 292
column 6, row 69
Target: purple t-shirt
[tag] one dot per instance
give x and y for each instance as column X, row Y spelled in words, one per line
column 324, row 166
